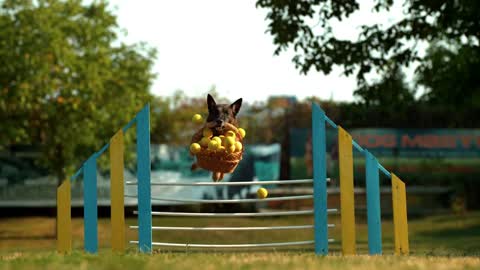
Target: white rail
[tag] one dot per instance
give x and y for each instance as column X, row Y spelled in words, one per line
column 232, row 245
column 166, row 228
column 240, row 183
column 284, row 198
column 262, row 214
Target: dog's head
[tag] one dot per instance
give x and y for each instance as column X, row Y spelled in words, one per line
column 219, row 114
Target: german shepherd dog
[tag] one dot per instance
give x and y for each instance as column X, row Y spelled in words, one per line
column 218, row 116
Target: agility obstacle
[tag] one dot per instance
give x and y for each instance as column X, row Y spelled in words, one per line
column 320, row 210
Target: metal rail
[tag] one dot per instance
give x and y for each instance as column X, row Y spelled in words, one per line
column 166, row 228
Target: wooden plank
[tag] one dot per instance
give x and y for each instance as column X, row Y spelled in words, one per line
column 373, row 205
column 143, row 175
column 319, row 181
column 400, row 222
column 117, row 192
column 64, row 218
column 90, row 215
column 347, row 205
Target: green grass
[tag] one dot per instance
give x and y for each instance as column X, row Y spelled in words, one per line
column 440, row 242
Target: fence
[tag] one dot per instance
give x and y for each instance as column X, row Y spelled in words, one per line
column 319, row 211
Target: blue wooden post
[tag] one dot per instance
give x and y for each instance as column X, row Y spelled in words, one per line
column 90, row 205
column 373, row 205
column 143, row 175
column 319, row 180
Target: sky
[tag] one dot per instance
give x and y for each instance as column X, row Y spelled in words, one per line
column 224, row 43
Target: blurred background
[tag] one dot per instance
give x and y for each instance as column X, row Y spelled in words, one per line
column 400, row 76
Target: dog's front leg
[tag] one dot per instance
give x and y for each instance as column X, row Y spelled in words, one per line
column 217, row 176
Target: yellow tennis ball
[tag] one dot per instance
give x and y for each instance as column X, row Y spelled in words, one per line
column 213, row 145
column 229, row 141
column 231, row 149
column 195, row 148
column 262, row 193
column 242, row 132
column 238, row 146
column 221, row 148
column 217, row 139
column 204, row 141
column 207, row 132
column 222, row 137
column 197, row 119
column 230, row 134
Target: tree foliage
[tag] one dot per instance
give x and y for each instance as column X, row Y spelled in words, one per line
column 66, row 83
column 307, row 27
column 391, row 92
column 450, row 76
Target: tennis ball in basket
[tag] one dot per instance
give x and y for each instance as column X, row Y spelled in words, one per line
column 230, row 134
column 207, row 132
column 262, row 193
column 217, row 139
column 197, row 118
column 242, row 132
column 229, row 141
column 204, row 141
column 221, row 148
column 195, row 148
column 222, row 138
column 231, row 148
column 213, row 145
column 238, row 146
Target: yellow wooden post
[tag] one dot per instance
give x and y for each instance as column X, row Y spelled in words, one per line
column 117, row 192
column 400, row 222
column 347, row 207
column 64, row 218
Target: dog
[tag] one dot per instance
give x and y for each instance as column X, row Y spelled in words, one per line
column 218, row 116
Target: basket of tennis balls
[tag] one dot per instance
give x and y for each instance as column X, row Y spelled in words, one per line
column 218, row 153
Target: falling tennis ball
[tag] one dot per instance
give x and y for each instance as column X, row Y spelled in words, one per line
column 230, row 134
column 217, row 139
column 197, row 119
column 229, row 141
column 231, row 148
column 207, row 132
column 238, row 146
column 213, row 145
column 242, row 132
column 195, row 148
column 262, row 193
column 204, row 141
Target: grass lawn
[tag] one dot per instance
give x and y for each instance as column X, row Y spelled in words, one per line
column 439, row 242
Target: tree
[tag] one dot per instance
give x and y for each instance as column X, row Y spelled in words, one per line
column 64, row 85
column 450, row 76
column 378, row 48
column 390, row 91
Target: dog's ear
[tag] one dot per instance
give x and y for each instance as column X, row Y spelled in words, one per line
column 211, row 104
column 236, row 106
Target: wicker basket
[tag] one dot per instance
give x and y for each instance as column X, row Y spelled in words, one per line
column 219, row 162
column 222, row 162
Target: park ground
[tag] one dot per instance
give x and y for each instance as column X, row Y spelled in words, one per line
column 436, row 242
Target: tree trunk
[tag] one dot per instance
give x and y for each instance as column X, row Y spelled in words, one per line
column 285, row 145
column 60, row 173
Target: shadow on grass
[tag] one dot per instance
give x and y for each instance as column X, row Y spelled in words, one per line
column 27, row 237
column 463, row 240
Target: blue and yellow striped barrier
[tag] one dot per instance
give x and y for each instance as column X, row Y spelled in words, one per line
column 89, row 172
column 347, row 211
